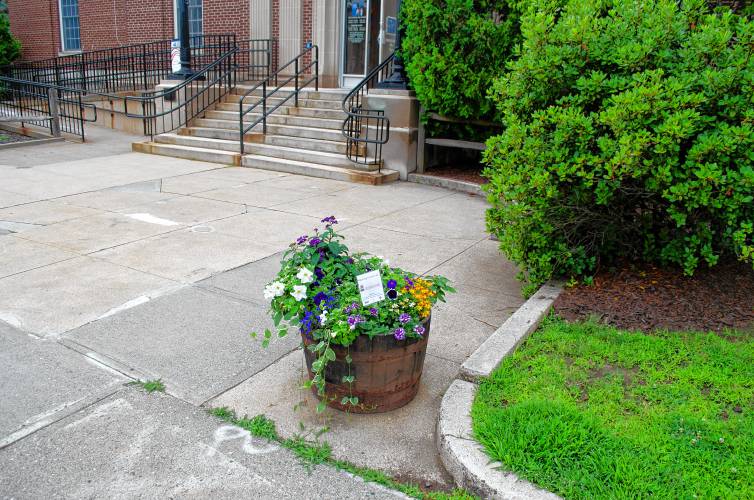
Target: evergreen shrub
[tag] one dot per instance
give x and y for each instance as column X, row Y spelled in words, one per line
column 10, row 47
column 453, row 49
column 629, row 134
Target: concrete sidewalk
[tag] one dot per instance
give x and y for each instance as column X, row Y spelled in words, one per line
column 117, row 266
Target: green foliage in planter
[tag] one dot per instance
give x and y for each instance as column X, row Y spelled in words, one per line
column 10, row 47
column 317, row 294
column 453, row 49
column 629, row 133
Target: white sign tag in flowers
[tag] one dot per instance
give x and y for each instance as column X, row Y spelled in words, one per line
column 370, row 287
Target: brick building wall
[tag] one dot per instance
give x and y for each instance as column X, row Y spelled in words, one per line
column 36, row 24
column 227, row 16
column 108, row 23
column 275, row 33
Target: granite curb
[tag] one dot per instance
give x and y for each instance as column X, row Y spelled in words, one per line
column 464, row 458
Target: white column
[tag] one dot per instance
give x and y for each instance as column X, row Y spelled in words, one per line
column 260, row 12
column 326, row 33
column 290, row 30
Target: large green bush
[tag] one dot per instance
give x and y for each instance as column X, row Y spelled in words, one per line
column 453, row 50
column 10, row 47
column 629, row 133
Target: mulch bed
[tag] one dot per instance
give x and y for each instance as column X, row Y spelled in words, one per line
column 6, row 137
column 465, row 174
column 648, row 298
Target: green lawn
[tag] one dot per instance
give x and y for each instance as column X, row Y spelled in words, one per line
column 588, row 411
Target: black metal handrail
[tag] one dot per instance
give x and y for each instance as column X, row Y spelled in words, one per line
column 160, row 111
column 142, row 66
column 366, row 128
column 30, row 102
column 168, row 109
column 298, row 71
column 254, row 59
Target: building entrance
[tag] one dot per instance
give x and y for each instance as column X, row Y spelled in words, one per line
column 369, row 28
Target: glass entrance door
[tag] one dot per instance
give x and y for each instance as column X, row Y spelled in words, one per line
column 388, row 27
column 355, row 41
column 369, row 29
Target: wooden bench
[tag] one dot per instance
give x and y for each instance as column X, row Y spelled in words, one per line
column 423, row 140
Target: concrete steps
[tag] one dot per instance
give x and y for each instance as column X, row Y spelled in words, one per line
column 317, row 170
column 322, row 94
column 331, row 146
column 289, row 109
column 291, row 131
column 264, row 149
column 305, row 140
column 278, row 119
column 233, row 99
column 188, row 152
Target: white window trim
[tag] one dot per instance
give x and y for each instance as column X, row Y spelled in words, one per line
column 63, row 49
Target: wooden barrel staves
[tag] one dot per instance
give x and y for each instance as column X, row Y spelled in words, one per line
column 387, row 372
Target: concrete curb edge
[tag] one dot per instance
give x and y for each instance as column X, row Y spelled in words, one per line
column 464, row 458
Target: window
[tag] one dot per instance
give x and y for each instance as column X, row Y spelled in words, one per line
column 195, row 13
column 69, row 25
column 195, row 17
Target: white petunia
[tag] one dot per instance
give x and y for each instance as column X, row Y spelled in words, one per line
column 333, row 334
column 277, row 288
column 305, row 275
column 323, row 318
column 299, row 292
column 268, row 293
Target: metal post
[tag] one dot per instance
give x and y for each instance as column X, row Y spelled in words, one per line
column 144, row 66
column 296, row 96
column 316, row 68
column 183, row 34
column 52, row 100
column 57, row 71
column 264, row 107
column 83, row 72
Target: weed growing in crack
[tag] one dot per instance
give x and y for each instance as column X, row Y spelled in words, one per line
column 315, row 452
column 150, row 385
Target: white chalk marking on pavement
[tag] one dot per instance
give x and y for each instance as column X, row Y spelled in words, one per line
column 23, row 433
column 119, row 404
column 12, row 320
column 251, row 445
column 142, row 299
column 151, row 219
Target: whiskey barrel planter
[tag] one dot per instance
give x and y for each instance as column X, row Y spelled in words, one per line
column 387, row 372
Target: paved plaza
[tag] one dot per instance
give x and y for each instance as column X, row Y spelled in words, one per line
column 117, row 266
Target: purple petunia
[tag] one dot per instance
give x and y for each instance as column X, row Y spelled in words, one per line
column 306, row 323
column 314, row 242
column 373, row 311
column 320, row 297
column 330, row 220
column 355, row 320
column 391, row 284
column 319, row 273
column 419, row 330
column 404, row 318
column 351, row 308
column 399, row 334
column 409, row 283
